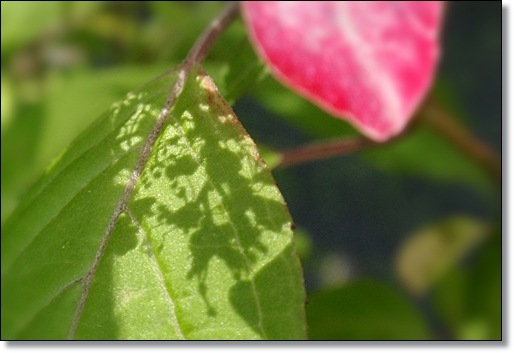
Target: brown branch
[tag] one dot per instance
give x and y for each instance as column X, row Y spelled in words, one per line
column 323, row 150
column 204, row 43
column 430, row 113
column 440, row 120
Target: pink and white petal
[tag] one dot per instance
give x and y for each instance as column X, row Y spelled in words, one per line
column 370, row 63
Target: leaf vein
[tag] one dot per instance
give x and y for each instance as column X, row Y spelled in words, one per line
column 27, row 322
column 51, row 180
column 136, row 173
column 63, row 208
column 66, row 168
column 159, row 273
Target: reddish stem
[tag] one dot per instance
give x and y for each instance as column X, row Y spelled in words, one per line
column 430, row 113
column 440, row 120
column 322, row 150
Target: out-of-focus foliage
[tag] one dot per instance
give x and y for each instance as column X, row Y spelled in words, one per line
column 432, row 251
column 364, row 311
column 468, row 300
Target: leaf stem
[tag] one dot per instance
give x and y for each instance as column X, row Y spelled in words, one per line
column 430, row 113
column 323, row 150
column 440, row 120
column 204, row 43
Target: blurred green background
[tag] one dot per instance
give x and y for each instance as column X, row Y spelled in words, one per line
column 397, row 242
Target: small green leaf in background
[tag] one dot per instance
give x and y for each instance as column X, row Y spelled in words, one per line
column 429, row 253
column 363, row 310
column 270, row 156
column 202, row 250
column 300, row 112
column 244, row 71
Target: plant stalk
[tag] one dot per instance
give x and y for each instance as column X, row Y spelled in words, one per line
column 430, row 113
column 440, row 120
column 323, row 150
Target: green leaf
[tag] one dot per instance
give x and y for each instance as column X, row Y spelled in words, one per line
column 429, row 253
column 299, row 111
column 244, row 71
column 270, row 156
column 484, row 306
column 201, row 249
column 449, row 298
column 364, row 310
